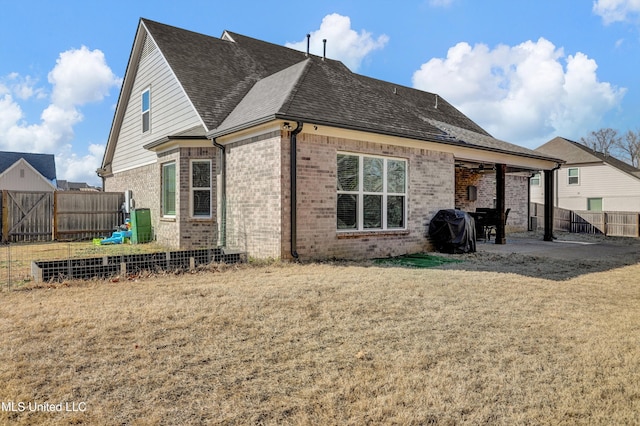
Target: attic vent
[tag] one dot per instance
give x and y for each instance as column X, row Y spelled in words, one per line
column 148, row 48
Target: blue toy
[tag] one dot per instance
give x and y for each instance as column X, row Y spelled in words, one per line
column 118, row 237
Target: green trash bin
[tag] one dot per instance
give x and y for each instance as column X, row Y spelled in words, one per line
column 141, row 231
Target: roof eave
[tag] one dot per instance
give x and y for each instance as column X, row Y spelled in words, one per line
column 444, row 139
column 216, row 133
column 160, row 144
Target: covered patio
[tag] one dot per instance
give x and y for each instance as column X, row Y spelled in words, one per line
column 496, row 194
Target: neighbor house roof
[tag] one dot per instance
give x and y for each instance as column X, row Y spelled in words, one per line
column 574, row 153
column 43, row 163
column 235, row 82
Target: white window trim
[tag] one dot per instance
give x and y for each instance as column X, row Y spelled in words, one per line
column 162, row 199
column 601, row 204
column 148, row 89
column 361, row 193
column 536, row 179
column 192, row 189
column 569, row 177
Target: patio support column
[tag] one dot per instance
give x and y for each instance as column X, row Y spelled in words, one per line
column 548, row 205
column 501, row 171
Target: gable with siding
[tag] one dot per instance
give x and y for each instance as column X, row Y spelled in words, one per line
column 22, row 176
column 171, row 110
column 600, row 176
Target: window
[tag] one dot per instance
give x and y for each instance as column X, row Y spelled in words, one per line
column 594, row 204
column 201, row 188
column 535, row 180
column 371, row 192
column 169, row 190
column 574, row 176
column 146, row 110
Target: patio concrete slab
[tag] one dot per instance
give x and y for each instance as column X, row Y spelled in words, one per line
column 565, row 249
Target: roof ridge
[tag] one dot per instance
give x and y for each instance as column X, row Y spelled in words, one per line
column 288, row 100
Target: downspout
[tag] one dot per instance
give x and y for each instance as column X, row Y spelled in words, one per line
column 529, row 227
column 294, row 199
column 223, row 195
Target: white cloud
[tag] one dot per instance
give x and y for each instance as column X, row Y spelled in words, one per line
column 21, row 87
column 616, row 10
column 440, row 3
column 75, row 168
column 343, row 43
column 80, row 76
column 523, row 94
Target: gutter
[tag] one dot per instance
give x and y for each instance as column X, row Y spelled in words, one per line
column 223, row 190
column 436, row 138
column 294, row 198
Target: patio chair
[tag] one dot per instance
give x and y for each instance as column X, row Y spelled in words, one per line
column 491, row 227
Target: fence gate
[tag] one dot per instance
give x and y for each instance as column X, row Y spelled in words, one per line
column 26, row 216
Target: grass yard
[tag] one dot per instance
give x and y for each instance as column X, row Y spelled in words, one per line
column 326, row 344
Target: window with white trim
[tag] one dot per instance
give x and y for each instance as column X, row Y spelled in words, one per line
column 594, row 204
column 169, row 189
column 146, row 110
column 371, row 193
column 574, row 176
column 535, row 180
column 201, row 188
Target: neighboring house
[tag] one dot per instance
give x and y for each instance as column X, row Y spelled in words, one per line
column 252, row 145
column 21, row 171
column 65, row 185
column 589, row 180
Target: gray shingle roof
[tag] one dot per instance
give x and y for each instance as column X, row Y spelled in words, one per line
column 44, row 163
column 215, row 73
column 238, row 81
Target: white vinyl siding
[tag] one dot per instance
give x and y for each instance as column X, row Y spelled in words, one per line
column 22, row 177
column 171, row 113
column 619, row 191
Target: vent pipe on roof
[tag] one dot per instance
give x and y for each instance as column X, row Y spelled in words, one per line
column 308, row 41
column 436, row 101
column 324, row 49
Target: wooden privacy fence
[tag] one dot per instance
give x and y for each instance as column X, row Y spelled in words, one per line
column 60, row 215
column 615, row 224
column 26, row 216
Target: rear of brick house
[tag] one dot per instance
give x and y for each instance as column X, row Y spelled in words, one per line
column 205, row 129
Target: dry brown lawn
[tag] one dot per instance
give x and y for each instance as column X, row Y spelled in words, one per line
column 325, row 344
column 15, row 259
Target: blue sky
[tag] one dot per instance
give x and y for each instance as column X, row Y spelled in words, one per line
column 526, row 71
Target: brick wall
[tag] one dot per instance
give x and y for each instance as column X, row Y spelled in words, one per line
column 430, row 188
column 464, row 179
column 254, row 195
column 516, row 190
column 196, row 233
column 167, row 229
column 144, row 183
column 183, row 231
